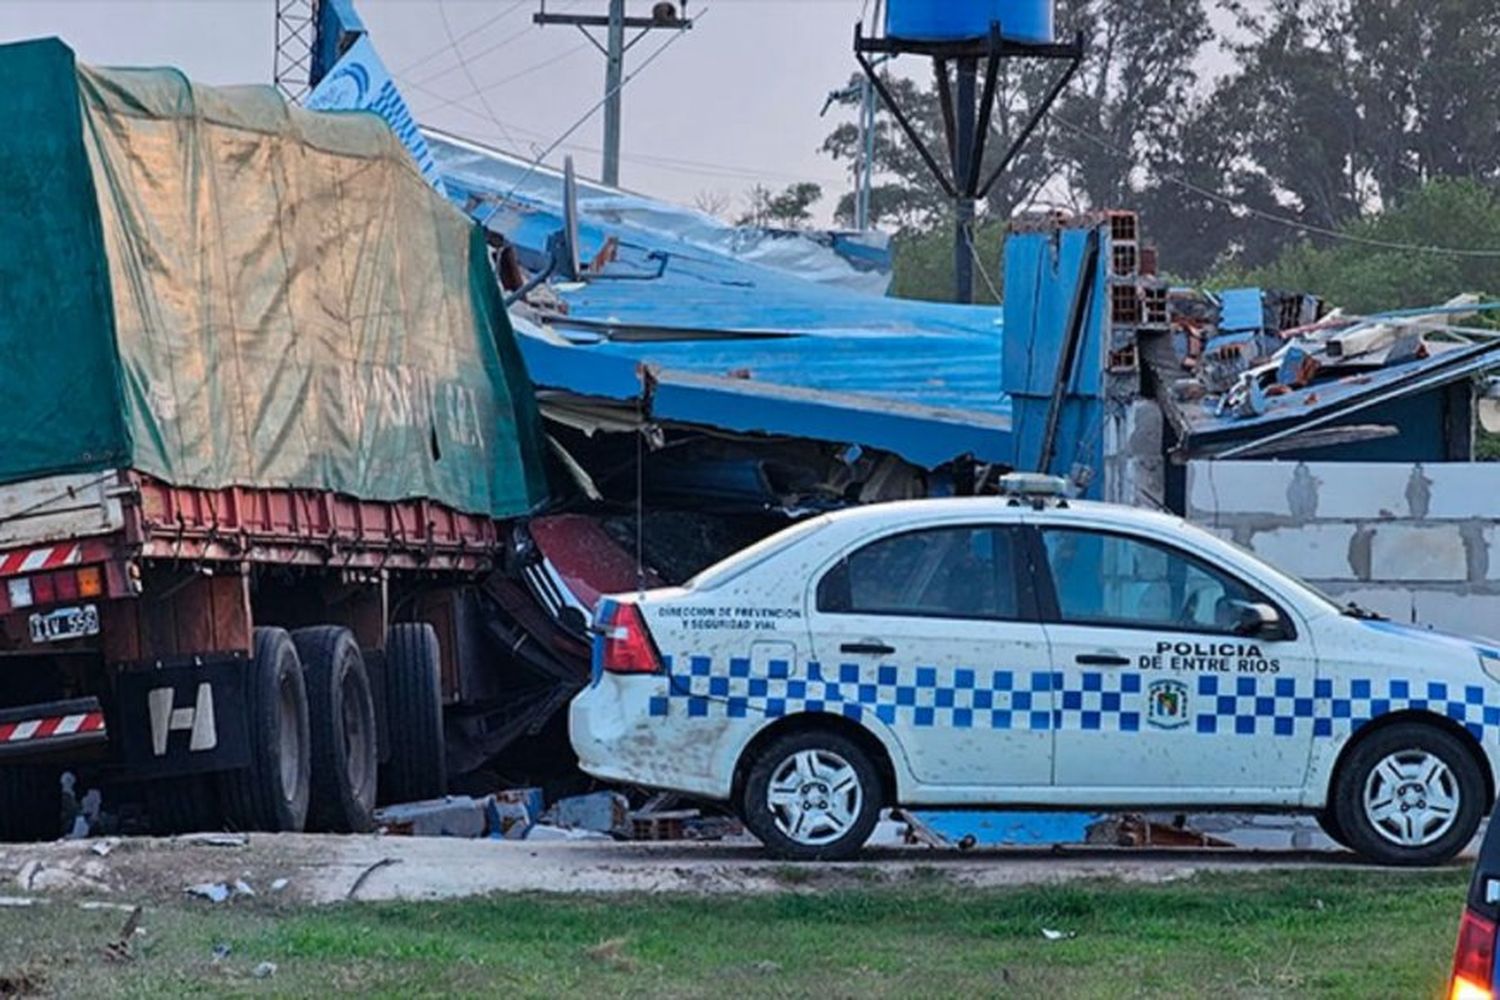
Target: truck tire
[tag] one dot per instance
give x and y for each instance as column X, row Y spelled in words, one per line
column 417, row 768
column 1410, row 794
column 812, row 796
column 345, row 751
column 30, row 803
column 272, row 793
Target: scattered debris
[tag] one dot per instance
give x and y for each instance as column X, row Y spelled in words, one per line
column 265, row 970
column 118, row 950
column 544, row 832
column 214, row 892
column 450, row 816
column 507, row 819
column 1138, row 831
column 215, row 839
column 103, row 847
column 917, row 832
column 222, row 950
column 104, row 904
column 365, row 875
column 10, row 902
column 36, row 876
column 218, row 892
column 280, row 884
column 602, row 812
column 1052, row 935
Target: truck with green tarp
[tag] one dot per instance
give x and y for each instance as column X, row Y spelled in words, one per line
column 262, row 421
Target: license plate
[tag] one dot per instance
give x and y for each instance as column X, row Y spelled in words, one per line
column 65, row 623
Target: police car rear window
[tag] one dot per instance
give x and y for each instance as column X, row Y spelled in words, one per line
column 962, row 572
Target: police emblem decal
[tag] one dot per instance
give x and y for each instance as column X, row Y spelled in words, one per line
column 1167, row 704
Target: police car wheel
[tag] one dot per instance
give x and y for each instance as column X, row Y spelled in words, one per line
column 812, row 796
column 1329, row 824
column 1409, row 795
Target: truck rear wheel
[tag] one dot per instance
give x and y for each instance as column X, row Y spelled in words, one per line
column 272, row 793
column 30, row 803
column 417, row 768
column 345, row 749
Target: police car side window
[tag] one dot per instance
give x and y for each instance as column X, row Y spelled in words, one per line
column 963, row 572
column 1105, row 579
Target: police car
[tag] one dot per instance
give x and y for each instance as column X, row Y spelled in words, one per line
column 1032, row 651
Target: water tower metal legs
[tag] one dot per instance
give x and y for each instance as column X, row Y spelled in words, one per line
column 963, row 207
column 965, row 129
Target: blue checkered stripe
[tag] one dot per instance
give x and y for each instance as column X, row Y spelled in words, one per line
column 1043, row 700
column 1344, row 707
column 897, row 696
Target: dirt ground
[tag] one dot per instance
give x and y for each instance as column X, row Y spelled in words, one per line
column 322, row 869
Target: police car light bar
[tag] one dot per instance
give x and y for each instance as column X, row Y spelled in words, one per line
column 1033, row 484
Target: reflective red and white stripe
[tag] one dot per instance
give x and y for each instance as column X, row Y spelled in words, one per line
column 34, row 560
column 52, row 725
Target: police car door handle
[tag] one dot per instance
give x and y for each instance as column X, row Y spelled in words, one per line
column 1102, row 660
column 867, row 648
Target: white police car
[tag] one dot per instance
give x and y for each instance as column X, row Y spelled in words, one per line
column 1035, row 652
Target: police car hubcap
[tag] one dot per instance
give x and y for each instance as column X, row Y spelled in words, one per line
column 1411, row 798
column 814, row 796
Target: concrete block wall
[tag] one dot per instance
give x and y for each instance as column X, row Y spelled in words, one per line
column 1420, row 543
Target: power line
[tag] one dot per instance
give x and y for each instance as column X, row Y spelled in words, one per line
column 705, row 168
column 508, row 40
column 1272, row 217
column 583, row 119
column 468, row 73
column 445, row 101
column 974, row 252
column 471, row 33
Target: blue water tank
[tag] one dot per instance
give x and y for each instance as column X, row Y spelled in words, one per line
column 956, row 20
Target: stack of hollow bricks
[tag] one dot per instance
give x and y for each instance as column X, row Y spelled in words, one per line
column 1138, row 298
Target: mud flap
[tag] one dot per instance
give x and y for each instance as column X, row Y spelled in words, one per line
column 184, row 716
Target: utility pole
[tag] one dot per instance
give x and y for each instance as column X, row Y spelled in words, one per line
column 867, row 160
column 963, row 204
column 615, row 23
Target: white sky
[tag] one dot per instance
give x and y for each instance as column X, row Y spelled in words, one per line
column 733, row 102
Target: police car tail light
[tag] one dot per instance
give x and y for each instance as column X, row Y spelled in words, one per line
column 1473, row 959
column 628, row 648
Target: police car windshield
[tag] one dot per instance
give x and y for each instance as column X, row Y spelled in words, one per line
column 742, row 560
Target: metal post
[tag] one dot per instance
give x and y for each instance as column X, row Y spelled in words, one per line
column 614, row 72
column 963, row 204
column 867, row 157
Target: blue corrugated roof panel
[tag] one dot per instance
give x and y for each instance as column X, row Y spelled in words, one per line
column 1243, row 309
column 684, row 293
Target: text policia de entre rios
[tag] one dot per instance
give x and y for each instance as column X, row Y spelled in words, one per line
column 1209, row 658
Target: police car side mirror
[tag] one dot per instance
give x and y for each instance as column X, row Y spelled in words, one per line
column 1258, row 621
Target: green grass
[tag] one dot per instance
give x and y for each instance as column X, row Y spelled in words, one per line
column 1263, row 934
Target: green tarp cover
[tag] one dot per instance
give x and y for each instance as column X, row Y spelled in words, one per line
column 217, row 288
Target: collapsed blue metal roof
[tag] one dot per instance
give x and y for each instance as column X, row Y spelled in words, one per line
column 781, row 332
column 754, row 314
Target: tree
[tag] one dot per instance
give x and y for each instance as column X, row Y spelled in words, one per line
column 1377, row 267
column 711, row 202
column 790, row 208
column 1341, row 107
